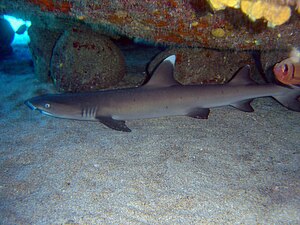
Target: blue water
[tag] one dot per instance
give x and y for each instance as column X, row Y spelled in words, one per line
column 16, row 23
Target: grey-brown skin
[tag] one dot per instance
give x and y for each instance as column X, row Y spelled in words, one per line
column 162, row 96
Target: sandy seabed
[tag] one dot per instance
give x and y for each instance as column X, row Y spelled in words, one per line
column 234, row 168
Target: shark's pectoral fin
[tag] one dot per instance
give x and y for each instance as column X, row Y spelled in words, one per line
column 199, row 113
column 243, row 106
column 118, row 125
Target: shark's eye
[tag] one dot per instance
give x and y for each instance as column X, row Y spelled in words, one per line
column 47, row 105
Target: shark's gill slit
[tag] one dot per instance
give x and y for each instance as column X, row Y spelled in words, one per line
column 89, row 112
column 82, row 112
column 95, row 112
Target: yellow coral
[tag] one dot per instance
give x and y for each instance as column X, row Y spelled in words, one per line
column 252, row 9
column 277, row 15
column 219, row 32
column 222, row 4
column 273, row 11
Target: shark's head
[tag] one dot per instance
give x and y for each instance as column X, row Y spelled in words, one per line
column 55, row 105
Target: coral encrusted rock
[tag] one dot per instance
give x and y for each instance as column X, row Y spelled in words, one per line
column 83, row 61
column 204, row 66
column 6, row 37
column 42, row 42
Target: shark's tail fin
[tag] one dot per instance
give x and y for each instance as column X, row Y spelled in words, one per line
column 290, row 100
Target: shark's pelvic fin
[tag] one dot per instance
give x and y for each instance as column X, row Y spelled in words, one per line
column 163, row 75
column 244, row 106
column 242, row 77
column 199, row 113
column 290, row 100
column 118, row 125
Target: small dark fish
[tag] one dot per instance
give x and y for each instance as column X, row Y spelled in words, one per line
column 21, row 29
column 288, row 71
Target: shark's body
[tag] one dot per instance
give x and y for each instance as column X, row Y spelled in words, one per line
column 162, row 96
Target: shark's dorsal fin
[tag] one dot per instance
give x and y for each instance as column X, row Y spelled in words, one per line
column 163, row 74
column 242, row 77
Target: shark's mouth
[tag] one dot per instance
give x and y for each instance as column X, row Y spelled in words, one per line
column 46, row 113
column 32, row 107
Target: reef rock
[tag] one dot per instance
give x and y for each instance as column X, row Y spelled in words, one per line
column 6, row 37
column 200, row 66
column 190, row 23
column 42, row 42
column 83, row 60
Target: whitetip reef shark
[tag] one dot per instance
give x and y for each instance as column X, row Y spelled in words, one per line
column 162, row 96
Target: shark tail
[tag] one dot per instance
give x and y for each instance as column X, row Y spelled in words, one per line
column 290, row 100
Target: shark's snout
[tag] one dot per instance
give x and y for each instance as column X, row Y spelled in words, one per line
column 28, row 103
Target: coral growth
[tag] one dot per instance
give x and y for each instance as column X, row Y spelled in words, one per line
column 52, row 5
column 174, row 22
column 222, row 4
column 276, row 12
column 83, row 60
